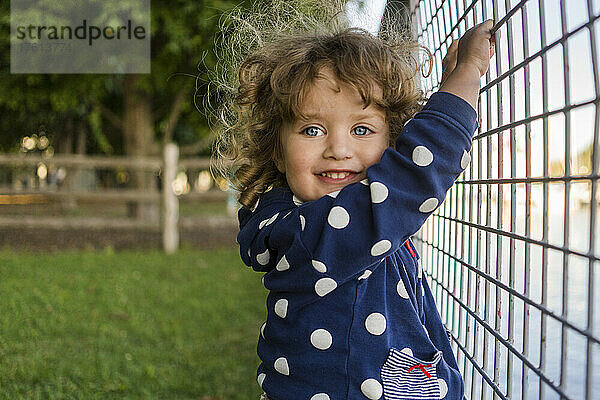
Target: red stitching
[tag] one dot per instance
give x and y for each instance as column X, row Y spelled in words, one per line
column 422, row 368
column 410, row 250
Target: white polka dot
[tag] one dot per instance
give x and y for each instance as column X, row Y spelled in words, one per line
column 263, row 280
column 443, row 388
column 320, row 396
column 429, row 205
column 372, row 389
column 365, row 182
column 422, row 290
column 262, row 223
column 324, row 286
column 422, row 156
column 249, row 256
column 262, row 329
column 408, row 351
column 365, row 274
column 281, row 307
column 272, row 219
column 281, row 366
column 255, row 205
column 375, row 324
column 333, row 194
column 321, row 339
column 286, row 214
column 380, row 247
column 401, row 289
column 465, row 160
column 419, row 269
column 425, row 329
column 263, row 258
column 261, row 379
column 297, row 201
column 302, row 222
column 338, row 217
column 379, row 192
column 283, row 264
column 319, row 266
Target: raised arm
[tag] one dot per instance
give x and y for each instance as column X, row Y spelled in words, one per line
column 467, row 61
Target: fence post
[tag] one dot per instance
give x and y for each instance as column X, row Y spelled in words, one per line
column 170, row 202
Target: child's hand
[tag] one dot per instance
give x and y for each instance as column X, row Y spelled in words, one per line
column 476, row 46
column 449, row 61
column 467, row 61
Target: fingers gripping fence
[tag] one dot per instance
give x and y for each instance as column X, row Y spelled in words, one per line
column 513, row 254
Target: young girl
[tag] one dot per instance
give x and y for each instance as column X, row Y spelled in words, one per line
column 336, row 170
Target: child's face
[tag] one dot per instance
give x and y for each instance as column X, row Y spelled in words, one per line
column 336, row 144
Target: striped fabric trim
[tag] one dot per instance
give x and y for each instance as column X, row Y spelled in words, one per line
column 407, row 378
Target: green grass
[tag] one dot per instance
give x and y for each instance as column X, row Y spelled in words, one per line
column 129, row 325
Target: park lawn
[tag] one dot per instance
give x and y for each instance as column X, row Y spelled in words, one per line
column 129, row 325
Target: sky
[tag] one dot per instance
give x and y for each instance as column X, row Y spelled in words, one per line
column 369, row 16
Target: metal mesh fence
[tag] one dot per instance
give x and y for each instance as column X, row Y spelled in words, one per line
column 513, row 254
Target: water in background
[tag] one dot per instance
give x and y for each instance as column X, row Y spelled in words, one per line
column 574, row 285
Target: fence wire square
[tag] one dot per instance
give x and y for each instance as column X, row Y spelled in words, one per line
column 513, row 254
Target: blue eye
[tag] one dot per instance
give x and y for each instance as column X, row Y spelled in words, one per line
column 361, row 130
column 313, row 131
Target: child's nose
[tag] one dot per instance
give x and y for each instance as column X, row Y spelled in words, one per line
column 338, row 147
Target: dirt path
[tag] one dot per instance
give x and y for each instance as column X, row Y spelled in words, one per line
column 198, row 233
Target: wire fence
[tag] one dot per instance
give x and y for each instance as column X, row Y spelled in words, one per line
column 513, row 253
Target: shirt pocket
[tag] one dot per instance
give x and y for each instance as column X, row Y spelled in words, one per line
column 406, row 377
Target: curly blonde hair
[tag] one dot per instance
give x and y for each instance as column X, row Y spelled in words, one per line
column 277, row 63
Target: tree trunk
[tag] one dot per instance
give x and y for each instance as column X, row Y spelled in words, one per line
column 65, row 140
column 81, row 146
column 138, row 132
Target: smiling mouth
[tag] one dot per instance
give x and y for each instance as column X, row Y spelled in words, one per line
column 336, row 175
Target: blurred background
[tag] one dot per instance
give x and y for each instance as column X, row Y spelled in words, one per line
column 93, row 307
column 82, row 154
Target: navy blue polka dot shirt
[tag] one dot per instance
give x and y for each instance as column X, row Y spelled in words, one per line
column 349, row 313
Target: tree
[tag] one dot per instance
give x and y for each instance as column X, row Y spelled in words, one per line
column 133, row 114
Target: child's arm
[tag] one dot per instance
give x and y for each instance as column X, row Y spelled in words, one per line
column 473, row 53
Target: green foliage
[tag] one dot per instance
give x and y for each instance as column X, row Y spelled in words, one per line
column 129, row 325
column 182, row 39
column 95, row 122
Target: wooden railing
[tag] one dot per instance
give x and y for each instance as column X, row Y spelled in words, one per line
column 168, row 166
